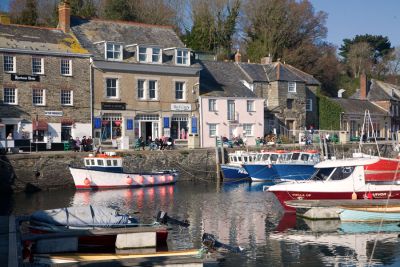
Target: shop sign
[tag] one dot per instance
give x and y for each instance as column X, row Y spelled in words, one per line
column 181, row 107
column 113, row 106
column 25, row 78
column 53, row 113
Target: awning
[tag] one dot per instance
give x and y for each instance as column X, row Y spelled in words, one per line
column 67, row 121
column 40, row 125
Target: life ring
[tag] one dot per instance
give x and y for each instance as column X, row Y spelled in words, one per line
column 129, row 180
column 86, row 181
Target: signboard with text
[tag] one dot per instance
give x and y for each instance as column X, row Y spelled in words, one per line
column 181, row 107
column 53, row 113
column 25, row 78
column 113, row 106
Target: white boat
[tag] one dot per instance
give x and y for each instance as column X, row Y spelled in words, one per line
column 104, row 171
column 369, row 215
column 363, row 177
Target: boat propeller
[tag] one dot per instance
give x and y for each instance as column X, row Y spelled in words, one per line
column 163, row 218
column 210, row 242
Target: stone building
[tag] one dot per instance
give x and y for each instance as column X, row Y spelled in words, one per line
column 144, row 83
column 289, row 93
column 384, row 95
column 45, row 89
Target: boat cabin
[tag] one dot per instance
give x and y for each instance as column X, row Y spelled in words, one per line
column 108, row 161
column 241, row 157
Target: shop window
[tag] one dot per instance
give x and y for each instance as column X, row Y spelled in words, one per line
column 38, row 136
column 179, row 126
column 66, row 131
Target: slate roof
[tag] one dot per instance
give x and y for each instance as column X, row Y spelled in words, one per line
column 223, row 79
column 278, row 71
column 256, row 72
column 380, row 91
column 357, row 106
column 38, row 39
column 96, row 30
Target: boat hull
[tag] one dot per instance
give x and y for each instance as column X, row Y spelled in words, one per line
column 94, row 179
column 279, row 172
column 350, row 215
column 284, row 196
column 231, row 173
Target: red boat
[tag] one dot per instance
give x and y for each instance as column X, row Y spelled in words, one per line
column 356, row 178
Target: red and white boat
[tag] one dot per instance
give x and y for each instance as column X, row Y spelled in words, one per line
column 362, row 177
column 104, row 171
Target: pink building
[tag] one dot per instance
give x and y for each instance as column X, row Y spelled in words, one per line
column 228, row 106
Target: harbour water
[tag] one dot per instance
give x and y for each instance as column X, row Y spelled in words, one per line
column 239, row 214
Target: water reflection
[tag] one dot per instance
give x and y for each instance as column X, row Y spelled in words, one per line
column 237, row 214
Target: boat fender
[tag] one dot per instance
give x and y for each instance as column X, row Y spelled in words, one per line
column 139, row 179
column 162, row 178
column 354, row 195
column 369, row 195
column 86, row 181
column 129, row 180
column 170, row 178
column 151, row 180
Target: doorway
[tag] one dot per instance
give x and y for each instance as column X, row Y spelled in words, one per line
column 10, row 130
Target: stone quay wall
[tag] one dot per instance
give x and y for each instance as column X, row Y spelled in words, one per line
column 49, row 170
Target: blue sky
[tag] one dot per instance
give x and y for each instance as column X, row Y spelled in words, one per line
column 347, row 18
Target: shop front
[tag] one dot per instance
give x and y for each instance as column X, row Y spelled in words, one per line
column 147, row 126
column 111, row 126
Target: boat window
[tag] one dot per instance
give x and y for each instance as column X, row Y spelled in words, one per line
column 87, row 162
column 245, row 159
column 274, row 157
column 265, row 157
column 239, row 158
column 250, row 158
column 304, row 157
column 295, row 156
column 234, row 159
column 92, row 162
column 322, row 174
column 109, row 162
column 341, row 173
column 100, row 162
column 115, row 162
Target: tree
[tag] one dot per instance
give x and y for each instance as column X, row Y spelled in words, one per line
column 118, row 10
column 214, row 24
column 29, row 14
column 278, row 25
column 83, row 8
column 380, row 46
column 360, row 58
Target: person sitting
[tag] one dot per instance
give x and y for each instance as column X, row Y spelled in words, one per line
column 142, row 144
column 170, row 143
column 78, row 144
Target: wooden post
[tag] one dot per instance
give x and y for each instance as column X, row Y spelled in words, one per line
column 222, row 151
column 321, row 138
column 217, row 162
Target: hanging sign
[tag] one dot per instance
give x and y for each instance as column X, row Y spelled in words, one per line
column 25, row 78
column 181, row 107
column 113, row 106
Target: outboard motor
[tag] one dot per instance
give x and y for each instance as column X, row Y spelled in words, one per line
column 163, row 218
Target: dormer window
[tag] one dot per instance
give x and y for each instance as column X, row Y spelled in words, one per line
column 149, row 54
column 182, row 57
column 113, row 51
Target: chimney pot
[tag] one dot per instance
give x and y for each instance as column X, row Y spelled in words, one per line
column 64, row 20
column 238, row 56
column 266, row 60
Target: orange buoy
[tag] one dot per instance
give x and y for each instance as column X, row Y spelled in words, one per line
column 170, row 178
column 162, row 178
column 139, row 179
column 86, row 181
column 129, row 180
column 151, row 180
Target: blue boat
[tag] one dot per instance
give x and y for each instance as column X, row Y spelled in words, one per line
column 369, row 215
column 234, row 171
column 278, row 166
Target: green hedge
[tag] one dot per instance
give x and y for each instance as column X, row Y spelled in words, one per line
column 329, row 114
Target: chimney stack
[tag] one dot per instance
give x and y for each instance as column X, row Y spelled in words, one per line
column 363, row 86
column 64, row 13
column 238, row 56
column 266, row 60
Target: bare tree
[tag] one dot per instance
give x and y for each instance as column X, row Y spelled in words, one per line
column 360, row 58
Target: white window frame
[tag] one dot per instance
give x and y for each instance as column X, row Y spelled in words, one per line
column 182, row 55
column 43, row 97
column 64, row 66
column 15, row 91
column 41, row 65
column 212, row 104
column 292, row 87
column 63, row 97
column 250, row 105
column 231, row 116
column 212, row 132
column 309, row 104
column 14, row 64
column 183, row 90
column 113, row 50
column 143, row 89
column 148, row 54
column 116, row 88
column 248, row 129
column 155, row 89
